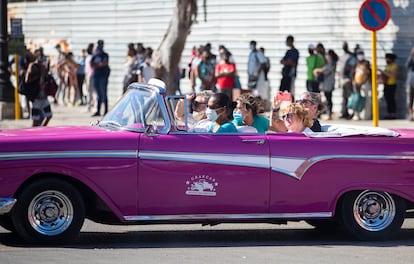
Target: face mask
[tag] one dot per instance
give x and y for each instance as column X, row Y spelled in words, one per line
column 251, row 47
column 198, row 115
column 212, row 114
column 360, row 57
column 237, row 115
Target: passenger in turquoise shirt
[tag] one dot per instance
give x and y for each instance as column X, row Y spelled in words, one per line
column 261, row 123
column 220, row 111
column 228, row 127
column 246, row 113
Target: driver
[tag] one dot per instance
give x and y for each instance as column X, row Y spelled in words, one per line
column 197, row 120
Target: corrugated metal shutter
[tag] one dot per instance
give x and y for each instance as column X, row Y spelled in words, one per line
column 232, row 23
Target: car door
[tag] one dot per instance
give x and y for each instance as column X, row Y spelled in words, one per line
column 300, row 183
column 203, row 174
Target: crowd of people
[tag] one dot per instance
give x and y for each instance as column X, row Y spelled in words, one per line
column 326, row 70
column 89, row 71
column 352, row 70
column 83, row 79
column 80, row 80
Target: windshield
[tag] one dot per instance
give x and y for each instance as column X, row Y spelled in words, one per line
column 137, row 109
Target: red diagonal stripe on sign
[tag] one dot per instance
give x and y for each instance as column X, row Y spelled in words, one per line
column 372, row 12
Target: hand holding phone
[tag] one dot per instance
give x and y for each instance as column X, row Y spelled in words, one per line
column 284, row 96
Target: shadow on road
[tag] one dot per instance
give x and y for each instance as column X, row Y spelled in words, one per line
column 216, row 238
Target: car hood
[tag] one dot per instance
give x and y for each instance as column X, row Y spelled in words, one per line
column 66, row 138
column 49, row 132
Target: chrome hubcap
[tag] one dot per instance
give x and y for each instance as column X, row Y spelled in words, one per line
column 50, row 213
column 374, row 211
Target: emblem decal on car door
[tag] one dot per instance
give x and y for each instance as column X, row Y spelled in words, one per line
column 202, row 185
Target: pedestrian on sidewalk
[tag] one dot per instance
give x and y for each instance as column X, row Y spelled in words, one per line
column 41, row 112
column 388, row 77
column 99, row 63
column 290, row 63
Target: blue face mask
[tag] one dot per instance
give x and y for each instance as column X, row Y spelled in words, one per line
column 237, row 115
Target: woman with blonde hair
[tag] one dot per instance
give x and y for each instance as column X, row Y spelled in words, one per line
column 297, row 118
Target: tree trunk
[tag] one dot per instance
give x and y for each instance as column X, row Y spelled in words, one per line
column 167, row 57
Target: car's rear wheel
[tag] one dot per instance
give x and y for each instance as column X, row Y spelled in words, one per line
column 48, row 211
column 372, row 215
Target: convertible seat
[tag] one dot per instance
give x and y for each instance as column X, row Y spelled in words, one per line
column 340, row 130
column 246, row 129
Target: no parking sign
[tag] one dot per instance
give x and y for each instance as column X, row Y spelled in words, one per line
column 374, row 15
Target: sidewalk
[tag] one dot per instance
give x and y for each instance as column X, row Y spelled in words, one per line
column 62, row 116
column 79, row 116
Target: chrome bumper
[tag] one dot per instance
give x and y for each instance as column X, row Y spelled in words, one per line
column 6, row 204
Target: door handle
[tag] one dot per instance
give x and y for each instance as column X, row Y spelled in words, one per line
column 258, row 141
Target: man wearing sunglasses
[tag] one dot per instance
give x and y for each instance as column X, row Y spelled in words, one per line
column 312, row 101
column 197, row 118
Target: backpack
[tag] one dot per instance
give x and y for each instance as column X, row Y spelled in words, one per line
column 51, row 85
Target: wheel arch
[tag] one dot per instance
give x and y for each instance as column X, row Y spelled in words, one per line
column 390, row 191
column 94, row 205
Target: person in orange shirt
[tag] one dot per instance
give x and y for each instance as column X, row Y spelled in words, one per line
column 388, row 77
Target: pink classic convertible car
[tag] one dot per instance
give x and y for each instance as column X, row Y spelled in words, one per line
column 140, row 166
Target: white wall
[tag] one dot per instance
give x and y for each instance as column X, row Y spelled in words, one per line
column 232, row 23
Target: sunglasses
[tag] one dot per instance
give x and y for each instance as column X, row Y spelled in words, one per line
column 287, row 116
column 196, row 104
column 304, row 101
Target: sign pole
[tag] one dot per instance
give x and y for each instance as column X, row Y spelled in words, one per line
column 16, row 92
column 374, row 15
column 375, row 108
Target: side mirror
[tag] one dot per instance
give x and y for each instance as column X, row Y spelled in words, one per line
column 151, row 131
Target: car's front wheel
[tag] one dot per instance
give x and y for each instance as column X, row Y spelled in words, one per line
column 372, row 215
column 48, row 211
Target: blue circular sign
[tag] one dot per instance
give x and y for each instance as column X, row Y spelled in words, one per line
column 374, row 14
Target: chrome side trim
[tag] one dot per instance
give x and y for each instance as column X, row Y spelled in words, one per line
column 212, row 158
column 131, row 154
column 286, row 165
column 6, row 204
column 228, row 216
column 308, row 163
column 294, row 167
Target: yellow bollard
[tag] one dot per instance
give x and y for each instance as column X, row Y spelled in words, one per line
column 17, row 113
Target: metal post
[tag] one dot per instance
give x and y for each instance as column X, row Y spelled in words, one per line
column 6, row 87
column 16, row 93
column 375, row 110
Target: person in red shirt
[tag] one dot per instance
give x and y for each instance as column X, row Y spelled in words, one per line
column 225, row 72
